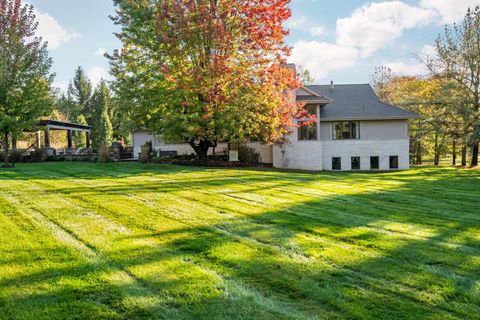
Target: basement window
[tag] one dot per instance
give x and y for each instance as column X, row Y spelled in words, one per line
column 393, row 162
column 374, row 163
column 336, row 163
column 355, row 163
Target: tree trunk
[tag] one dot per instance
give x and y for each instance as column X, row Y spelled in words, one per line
column 475, row 155
column 201, row 148
column 475, row 144
column 437, row 152
column 464, row 156
column 454, row 152
column 419, row 153
column 5, row 148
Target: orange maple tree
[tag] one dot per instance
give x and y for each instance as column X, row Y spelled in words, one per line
column 204, row 71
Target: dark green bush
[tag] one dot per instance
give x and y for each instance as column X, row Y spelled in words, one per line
column 248, row 155
column 15, row 156
column 37, row 156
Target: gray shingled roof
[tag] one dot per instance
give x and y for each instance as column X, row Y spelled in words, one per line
column 357, row 102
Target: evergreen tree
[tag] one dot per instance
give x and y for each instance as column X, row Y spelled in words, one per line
column 79, row 138
column 105, row 136
column 80, row 92
column 101, row 106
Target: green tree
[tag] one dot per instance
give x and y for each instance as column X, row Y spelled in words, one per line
column 100, row 106
column 120, row 122
column 458, row 59
column 80, row 93
column 80, row 138
column 105, row 136
column 25, row 79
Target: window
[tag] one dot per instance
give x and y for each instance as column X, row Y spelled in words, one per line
column 374, row 163
column 355, row 163
column 336, row 163
column 311, row 109
column 346, row 130
column 393, row 162
column 307, row 132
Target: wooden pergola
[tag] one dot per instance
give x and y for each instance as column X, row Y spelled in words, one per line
column 70, row 128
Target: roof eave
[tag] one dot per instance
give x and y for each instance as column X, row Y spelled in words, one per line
column 367, row 118
column 320, row 101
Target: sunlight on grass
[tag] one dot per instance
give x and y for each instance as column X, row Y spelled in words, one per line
column 131, row 241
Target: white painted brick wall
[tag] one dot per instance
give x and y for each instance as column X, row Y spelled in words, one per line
column 301, row 155
column 366, row 149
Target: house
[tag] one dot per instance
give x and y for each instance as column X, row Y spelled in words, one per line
column 354, row 131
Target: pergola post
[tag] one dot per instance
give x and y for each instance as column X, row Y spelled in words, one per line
column 87, row 135
column 69, row 138
column 47, row 138
column 38, row 138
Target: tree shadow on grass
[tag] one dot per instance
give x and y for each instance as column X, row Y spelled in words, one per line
column 402, row 253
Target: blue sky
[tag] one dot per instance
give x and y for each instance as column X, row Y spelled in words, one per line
column 336, row 40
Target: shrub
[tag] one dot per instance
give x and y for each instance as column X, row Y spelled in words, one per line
column 15, row 156
column 248, row 155
column 103, row 154
column 37, row 156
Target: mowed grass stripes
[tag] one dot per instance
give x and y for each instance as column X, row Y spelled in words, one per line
column 131, row 241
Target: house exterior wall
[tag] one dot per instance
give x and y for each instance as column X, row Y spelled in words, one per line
column 382, row 138
column 141, row 137
column 371, row 130
column 365, row 149
column 300, row 155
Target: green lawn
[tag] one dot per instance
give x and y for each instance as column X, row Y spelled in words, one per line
column 131, row 241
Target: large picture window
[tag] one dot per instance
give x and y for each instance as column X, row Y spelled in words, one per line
column 346, row 130
column 308, row 132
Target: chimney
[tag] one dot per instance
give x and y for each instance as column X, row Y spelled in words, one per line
column 332, row 86
column 290, row 66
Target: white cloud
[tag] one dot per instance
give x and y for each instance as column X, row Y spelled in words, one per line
column 52, row 31
column 303, row 24
column 318, row 31
column 376, row 25
column 370, row 28
column 297, row 22
column 100, row 52
column 322, row 57
column 96, row 74
column 450, row 11
column 407, row 68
